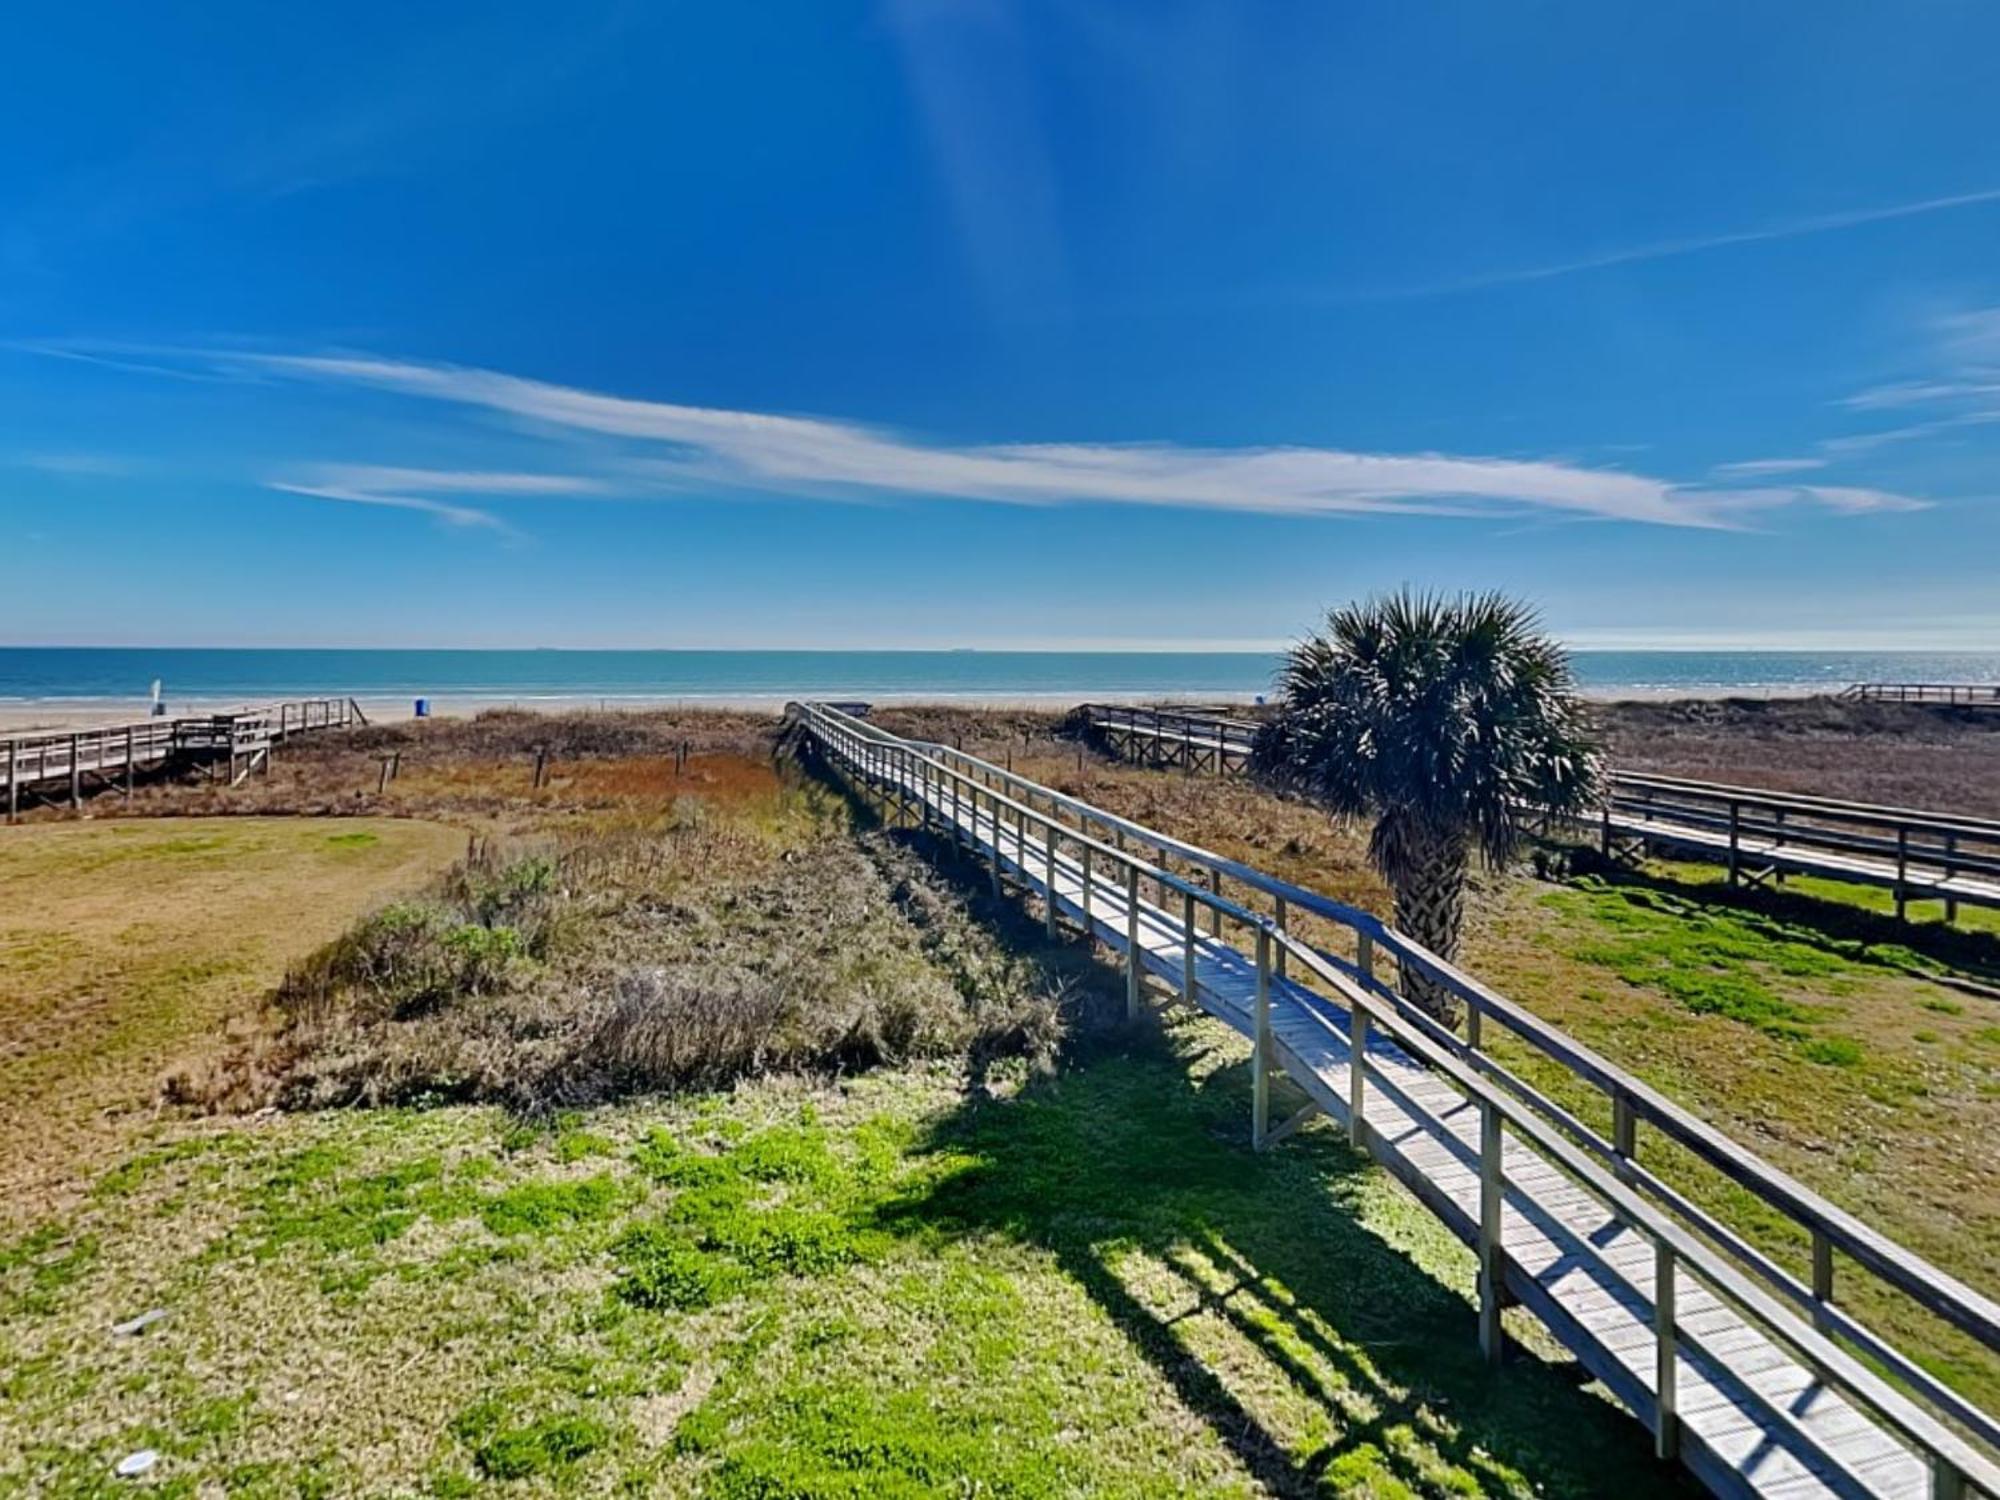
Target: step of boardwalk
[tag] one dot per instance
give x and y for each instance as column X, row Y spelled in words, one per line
column 1570, row 1261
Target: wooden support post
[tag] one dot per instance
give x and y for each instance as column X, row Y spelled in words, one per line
column 1089, row 929
column 1215, row 912
column 13, row 781
column 1132, row 971
column 541, row 765
column 1473, row 1017
column 1950, row 902
column 1666, row 1355
column 1492, row 1187
column 1357, row 1045
column 1822, row 1278
column 1260, row 1046
column 1283, row 955
column 1735, row 838
column 1049, row 872
column 75, row 773
column 996, row 837
column 1187, row 946
column 1624, row 1135
column 382, row 781
column 130, row 763
column 1902, row 872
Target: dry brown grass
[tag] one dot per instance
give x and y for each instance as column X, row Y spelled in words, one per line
column 1945, row 760
column 128, row 949
column 689, row 930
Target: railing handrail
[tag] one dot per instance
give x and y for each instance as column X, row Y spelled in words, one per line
column 1933, row 1288
column 157, row 726
column 1242, row 729
column 1817, row 1350
column 1833, row 809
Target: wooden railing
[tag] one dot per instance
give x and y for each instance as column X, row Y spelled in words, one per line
column 1236, row 733
column 1957, row 1438
column 115, row 752
column 1916, row 854
column 1958, row 694
column 1755, row 834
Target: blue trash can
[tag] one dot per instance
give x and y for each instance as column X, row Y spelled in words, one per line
column 423, row 708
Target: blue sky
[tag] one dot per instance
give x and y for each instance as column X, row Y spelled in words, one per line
column 941, row 324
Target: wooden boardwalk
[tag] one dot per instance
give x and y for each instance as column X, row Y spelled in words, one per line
column 62, row 764
column 1758, row 836
column 1936, row 694
column 1746, row 1374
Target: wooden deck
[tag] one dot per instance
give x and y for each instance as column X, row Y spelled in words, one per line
column 1731, row 1361
column 62, row 765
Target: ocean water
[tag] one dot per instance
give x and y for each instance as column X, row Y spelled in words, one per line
column 123, row 675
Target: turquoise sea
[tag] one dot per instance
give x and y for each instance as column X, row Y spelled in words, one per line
column 123, row 675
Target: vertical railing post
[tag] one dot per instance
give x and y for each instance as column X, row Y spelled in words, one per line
column 1902, row 871
column 1950, row 869
column 1215, row 912
column 1049, row 866
column 1822, row 1278
column 1283, row 909
column 13, row 781
column 1624, row 1135
column 1131, row 942
column 1357, row 1045
column 1492, row 1184
column 1260, row 1046
column 1735, row 838
column 1089, row 927
column 995, row 846
column 1187, row 946
column 1666, row 1355
column 130, row 760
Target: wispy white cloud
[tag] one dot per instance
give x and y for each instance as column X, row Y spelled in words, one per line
column 789, row 454
column 78, row 465
column 1907, row 393
column 1671, row 249
column 1959, row 390
column 418, row 489
column 1751, row 468
column 655, row 446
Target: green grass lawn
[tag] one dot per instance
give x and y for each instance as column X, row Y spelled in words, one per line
column 886, row 1286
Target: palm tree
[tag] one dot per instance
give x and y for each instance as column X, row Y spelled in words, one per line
column 1444, row 719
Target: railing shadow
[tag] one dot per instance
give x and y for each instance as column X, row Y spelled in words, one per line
column 1134, row 1171
column 1132, row 1167
column 1842, row 927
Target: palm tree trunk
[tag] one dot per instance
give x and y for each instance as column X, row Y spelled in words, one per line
column 1430, row 907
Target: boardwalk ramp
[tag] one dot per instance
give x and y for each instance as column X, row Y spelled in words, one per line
column 1759, row 1382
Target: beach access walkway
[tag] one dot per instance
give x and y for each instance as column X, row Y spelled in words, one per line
column 1758, row 836
column 60, row 765
column 1759, row 1381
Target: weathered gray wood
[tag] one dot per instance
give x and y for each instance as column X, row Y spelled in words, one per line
column 1744, row 1391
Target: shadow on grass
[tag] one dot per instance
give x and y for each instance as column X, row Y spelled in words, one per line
column 1133, row 1168
column 1846, row 928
